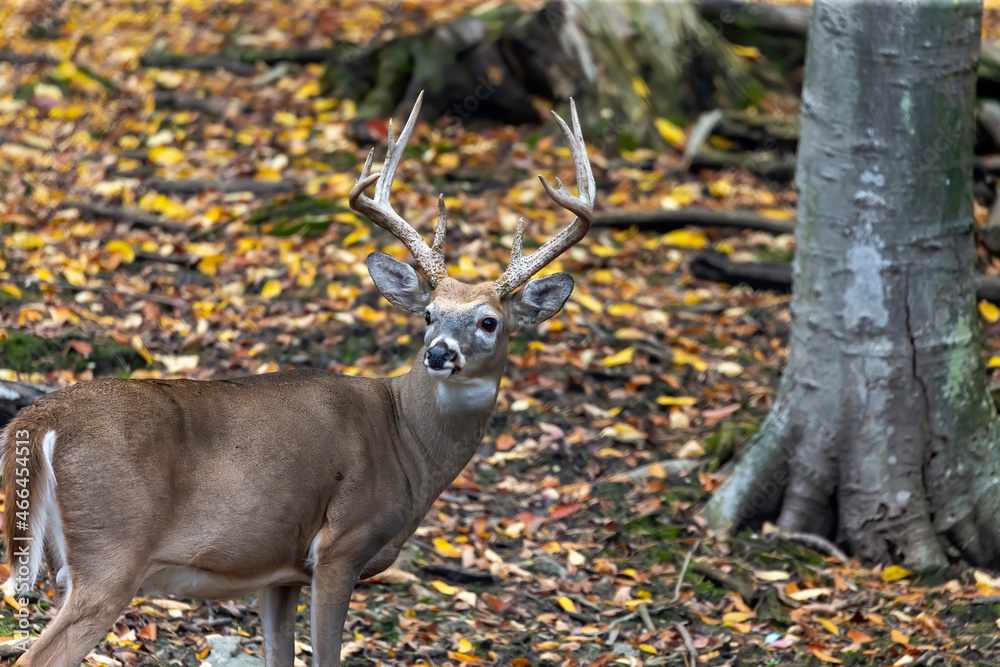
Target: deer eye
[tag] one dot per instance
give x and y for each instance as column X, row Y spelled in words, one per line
column 488, row 324
column 427, row 317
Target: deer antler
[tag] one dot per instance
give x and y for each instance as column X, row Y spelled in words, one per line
column 380, row 211
column 522, row 268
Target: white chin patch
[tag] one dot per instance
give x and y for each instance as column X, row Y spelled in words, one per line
column 441, row 373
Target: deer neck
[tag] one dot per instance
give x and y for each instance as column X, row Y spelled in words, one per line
column 441, row 423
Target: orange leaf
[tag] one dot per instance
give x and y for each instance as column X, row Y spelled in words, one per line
column 899, row 637
column 825, row 657
column 858, row 636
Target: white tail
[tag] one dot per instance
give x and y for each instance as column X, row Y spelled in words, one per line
column 283, row 480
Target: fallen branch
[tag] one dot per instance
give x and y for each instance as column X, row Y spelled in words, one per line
column 728, row 581
column 718, row 268
column 790, row 19
column 683, row 572
column 213, row 105
column 688, row 643
column 777, row 165
column 16, row 395
column 181, row 61
column 665, row 221
column 817, row 543
column 27, row 58
column 460, row 575
column 135, row 217
column 180, row 304
column 197, row 186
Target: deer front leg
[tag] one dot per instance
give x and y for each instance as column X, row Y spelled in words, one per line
column 332, row 585
column 278, row 607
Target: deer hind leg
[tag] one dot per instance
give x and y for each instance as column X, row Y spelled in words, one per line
column 278, row 608
column 86, row 615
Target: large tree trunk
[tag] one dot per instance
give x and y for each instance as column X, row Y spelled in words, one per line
column 883, row 432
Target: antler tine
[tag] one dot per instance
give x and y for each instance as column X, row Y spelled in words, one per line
column 522, row 268
column 379, row 210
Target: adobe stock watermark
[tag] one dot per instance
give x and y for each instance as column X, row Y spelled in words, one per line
column 20, row 557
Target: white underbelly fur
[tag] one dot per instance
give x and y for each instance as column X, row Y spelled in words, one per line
column 184, row 581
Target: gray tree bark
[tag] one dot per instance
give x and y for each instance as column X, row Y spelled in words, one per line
column 883, row 433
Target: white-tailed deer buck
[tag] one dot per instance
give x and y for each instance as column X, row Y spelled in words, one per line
column 278, row 481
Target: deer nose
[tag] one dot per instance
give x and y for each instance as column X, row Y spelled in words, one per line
column 439, row 353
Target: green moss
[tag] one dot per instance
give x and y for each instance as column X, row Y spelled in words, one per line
column 27, row 354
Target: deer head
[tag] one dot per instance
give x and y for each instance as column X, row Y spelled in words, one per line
column 468, row 325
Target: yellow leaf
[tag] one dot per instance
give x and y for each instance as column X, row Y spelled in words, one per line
column 13, row 290
column 640, row 87
column 994, row 362
column 611, row 452
column 899, row 637
column 74, row 276
column 672, row 134
column 588, row 302
column 447, row 160
column 751, row 52
column 12, row 603
column 829, row 625
column 895, row 573
column 123, row 248
column 464, row 646
column 444, row 588
column 140, row 347
column 676, row 400
column 567, row 604
column 681, row 357
column 989, row 311
column 209, row 264
column 166, row 156
column 619, row 358
column 777, row 213
column 444, row 548
column 720, row 188
column 311, row 89
column 622, row 309
column 683, row 238
column 657, row 470
column 272, row 288
column 734, row 617
column 647, row 648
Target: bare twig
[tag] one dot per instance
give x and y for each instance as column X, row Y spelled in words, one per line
column 196, row 186
column 688, row 642
column 643, row 610
column 684, row 568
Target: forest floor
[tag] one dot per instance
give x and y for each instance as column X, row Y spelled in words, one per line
column 574, row 536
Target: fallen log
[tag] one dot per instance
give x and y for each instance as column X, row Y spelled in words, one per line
column 165, row 60
column 718, row 268
column 135, row 217
column 197, row 186
column 665, row 221
column 26, row 58
column 212, row 105
column 789, row 19
column 17, row 395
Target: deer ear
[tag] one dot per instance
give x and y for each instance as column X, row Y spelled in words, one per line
column 399, row 283
column 541, row 298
